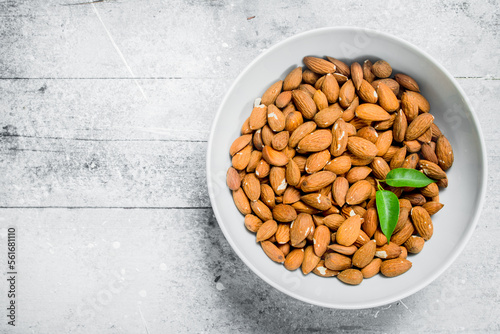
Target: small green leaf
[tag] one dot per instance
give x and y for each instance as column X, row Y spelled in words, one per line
column 406, row 177
column 388, row 211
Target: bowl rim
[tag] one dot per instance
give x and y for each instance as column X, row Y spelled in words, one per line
column 469, row 231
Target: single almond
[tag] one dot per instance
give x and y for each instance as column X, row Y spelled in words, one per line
column 233, row 179
column 251, row 186
column 350, row 112
column 267, row 230
column 432, row 207
column 309, row 77
column 372, row 269
column 388, row 251
column 356, row 174
column 273, row 252
column 271, row 93
column 361, row 147
column 367, row 71
column 383, row 142
column 317, row 161
column 291, row 195
column 284, row 213
column 241, row 201
column 255, row 157
column 262, row 170
column 277, row 179
column 330, row 88
column 418, row 126
column 422, row 222
column 261, row 210
column 386, row 98
column 316, row 141
column 336, row 261
column 339, row 190
column 368, row 133
column 321, row 240
column 351, row 276
column 428, row 153
column 240, row 143
column 432, row 170
column 401, row 236
column 300, row 228
column 292, row 173
column 380, row 168
column 300, row 132
column 346, row 94
column 406, row 82
column 339, row 165
column 395, row 267
column 367, row 93
column 333, row 221
column 318, row 65
column 372, row 112
column 294, row 259
column 317, row 201
column 349, row 230
column 267, row 195
column 275, row 118
column 283, row 99
column 316, row 181
column 326, row 117
column 382, row 69
column 444, row 153
column 293, row 79
column 293, row 120
column 304, row 103
column 339, row 138
column 320, row 99
column 364, row 255
column 356, row 74
column 358, row 192
column 323, row 271
column 280, row 140
column 310, row 261
column 370, row 222
column 274, row 157
column 252, row 223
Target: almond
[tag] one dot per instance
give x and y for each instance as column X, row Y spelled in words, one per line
column 320, row 99
column 267, row 195
column 310, row 77
column 409, row 106
column 300, row 228
column 261, row 210
column 301, row 207
column 344, row 250
column 304, row 103
column 330, row 88
column 358, row 173
column 368, row 133
column 280, row 141
column 317, row 161
column 428, row 153
column 291, row 195
column 367, row 71
column 273, row 252
column 275, row 118
column 323, row 271
column 415, row 199
column 245, row 128
column 285, row 248
column 444, row 153
column 358, row 192
column 346, row 94
column 321, row 240
column 430, row 190
column 267, row 230
column 411, row 161
column 351, row 276
column 317, row 201
column 422, row 222
column 292, row 173
column 241, row 201
column 316, row 181
column 318, row 65
column 299, row 133
column 277, row 179
column 432, row 170
column 406, row 82
column 432, row 207
column 255, row 157
column 258, row 117
column 233, row 179
column 294, row 259
column 308, row 89
column 367, row 93
column 326, row 117
column 436, row 133
column 418, row 126
column 284, row 213
column 339, row 190
column 293, row 120
column 372, row 112
column 382, row 69
column 335, row 261
column 240, row 143
column 283, row 234
column 339, row 138
column 380, row 168
column 412, row 146
column 383, row 143
column 333, row 221
column 349, row 113
column 310, row 261
column 371, row 222
column 386, row 98
column 349, row 230
column 316, row 141
column 361, row 148
column 339, row 165
column 251, row 186
column 356, row 74
column 341, row 67
column 414, row 244
column 364, row 255
column 400, row 126
column 262, row 169
column 293, row 79
column 274, row 157
column 391, row 83
column 267, row 135
column 401, row 236
column 388, row 251
column 395, row 267
column 283, row 99
column 252, row 223
column 372, row 268
column 271, row 93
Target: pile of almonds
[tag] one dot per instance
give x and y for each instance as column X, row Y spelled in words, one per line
column 304, row 169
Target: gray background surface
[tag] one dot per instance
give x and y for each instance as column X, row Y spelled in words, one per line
column 105, row 111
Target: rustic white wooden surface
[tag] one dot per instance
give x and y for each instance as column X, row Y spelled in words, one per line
column 105, row 110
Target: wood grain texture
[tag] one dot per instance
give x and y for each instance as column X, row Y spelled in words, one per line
column 105, row 110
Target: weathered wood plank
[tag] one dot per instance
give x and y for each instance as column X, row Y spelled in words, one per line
column 198, row 39
column 115, row 271
column 177, row 109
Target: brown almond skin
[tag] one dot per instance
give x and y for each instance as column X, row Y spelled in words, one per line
column 233, row 179
column 319, row 65
column 293, row 79
column 294, row 259
column 364, row 255
column 317, row 181
column 261, row 210
column 299, row 133
column 267, row 230
column 395, row 267
column 371, row 222
column 304, row 103
column 444, row 153
column 339, row 165
column 361, row 147
column 284, row 213
column 323, row 271
column 407, row 82
column 335, row 261
column 321, row 240
column 267, row 195
column 382, row 69
column 258, row 117
column 241, row 159
column 423, row 222
column 419, row 126
column 300, row 228
column 388, row 251
column 356, row 74
column 372, row 112
column 292, row 173
column 330, row 88
column 348, row 232
column 310, row 261
column 358, row 192
column 346, row 94
column 414, row 244
column 275, row 118
column 251, row 186
column 351, row 276
column 273, row 252
column 240, row 143
column 272, row 93
column 372, row 269
column 274, row 157
column 339, row 190
column 432, row 207
column 367, row 93
column 367, row 71
column 252, row 223
column 241, row 201
column 316, row 141
column 341, row 67
column 344, row 250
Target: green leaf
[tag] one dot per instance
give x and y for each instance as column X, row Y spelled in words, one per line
column 406, row 177
column 388, row 211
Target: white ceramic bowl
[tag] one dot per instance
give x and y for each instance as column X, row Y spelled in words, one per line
column 453, row 225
